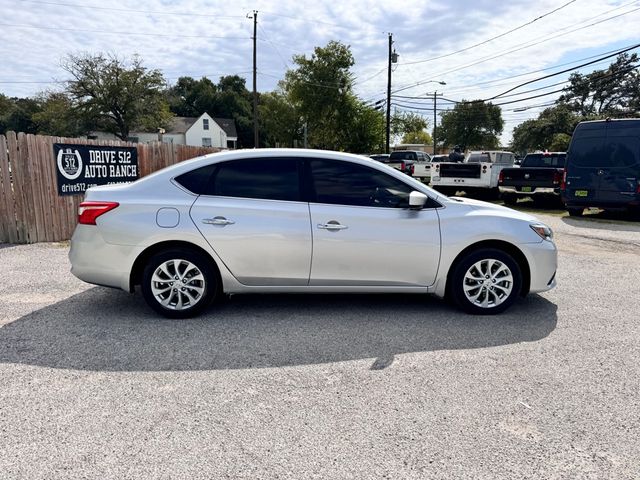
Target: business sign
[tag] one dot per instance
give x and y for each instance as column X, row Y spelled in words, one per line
column 82, row 166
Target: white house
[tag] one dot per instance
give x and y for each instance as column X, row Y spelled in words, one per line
column 202, row 131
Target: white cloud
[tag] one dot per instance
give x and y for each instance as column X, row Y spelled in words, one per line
column 421, row 30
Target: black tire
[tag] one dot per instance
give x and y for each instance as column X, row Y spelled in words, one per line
column 458, row 282
column 509, row 198
column 575, row 211
column 186, row 288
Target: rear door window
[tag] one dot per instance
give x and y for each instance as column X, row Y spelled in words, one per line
column 263, row 178
column 588, row 152
column 623, row 152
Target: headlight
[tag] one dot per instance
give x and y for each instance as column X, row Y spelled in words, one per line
column 545, row 232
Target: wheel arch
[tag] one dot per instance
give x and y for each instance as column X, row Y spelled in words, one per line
column 507, row 247
column 135, row 277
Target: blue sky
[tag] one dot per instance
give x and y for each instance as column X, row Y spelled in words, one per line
column 212, row 38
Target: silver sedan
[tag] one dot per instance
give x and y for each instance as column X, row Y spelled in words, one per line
column 306, row 221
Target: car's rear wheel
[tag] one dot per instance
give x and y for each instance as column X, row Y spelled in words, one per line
column 575, row 211
column 509, row 198
column 179, row 283
column 486, row 281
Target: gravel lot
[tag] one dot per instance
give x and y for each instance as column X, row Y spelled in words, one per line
column 92, row 385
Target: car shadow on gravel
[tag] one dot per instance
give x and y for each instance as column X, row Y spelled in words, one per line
column 109, row 330
column 607, row 221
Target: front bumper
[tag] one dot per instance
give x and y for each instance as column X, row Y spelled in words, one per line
column 542, row 258
column 95, row 261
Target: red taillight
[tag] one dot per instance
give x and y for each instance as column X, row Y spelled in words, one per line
column 563, row 183
column 402, row 166
column 413, row 169
column 557, row 177
column 89, row 211
column 501, row 176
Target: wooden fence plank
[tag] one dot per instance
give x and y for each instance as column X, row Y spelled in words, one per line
column 19, row 180
column 8, row 230
column 31, row 209
column 34, row 191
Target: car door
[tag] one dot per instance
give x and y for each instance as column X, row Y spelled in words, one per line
column 586, row 155
column 363, row 231
column 254, row 219
column 619, row 172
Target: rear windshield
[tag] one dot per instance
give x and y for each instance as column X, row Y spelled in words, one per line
column 556, row 160
column 479, row 158
column 612, row 152
column 403, row 156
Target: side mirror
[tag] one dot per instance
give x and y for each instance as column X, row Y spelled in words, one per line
column 417, row 200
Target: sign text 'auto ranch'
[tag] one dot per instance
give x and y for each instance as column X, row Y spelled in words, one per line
column 82, row 166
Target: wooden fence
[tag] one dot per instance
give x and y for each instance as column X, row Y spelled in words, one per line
column 31, row 210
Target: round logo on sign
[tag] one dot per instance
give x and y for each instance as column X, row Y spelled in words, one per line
column 69, row 163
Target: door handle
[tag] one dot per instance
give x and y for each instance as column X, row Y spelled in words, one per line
column 218, row 221
column 332, row 225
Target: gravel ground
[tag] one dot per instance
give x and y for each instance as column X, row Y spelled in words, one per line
column 92, row 385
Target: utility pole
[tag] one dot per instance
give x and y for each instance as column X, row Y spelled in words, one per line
column 255, row 91
column 389, row 95
column 435, row 99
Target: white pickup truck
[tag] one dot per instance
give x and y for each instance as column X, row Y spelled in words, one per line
column 477, row 174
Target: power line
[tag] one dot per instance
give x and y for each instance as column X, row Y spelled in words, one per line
column 567, row 70
column 131, row 10
column 86, row 30
column 522, row 46
column 497, row 81
column 492, row 38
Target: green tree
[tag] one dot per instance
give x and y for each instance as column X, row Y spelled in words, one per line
column 403, row 123
column 280, row 122
column 321, row 90
column 614, row 91
column 16, row 114
column 474, row 124
column 420, row 137
column 551, row 130
column 117, row 95
column 365, row 127
column 59, row 116
column 229, row 98
column 190, row 97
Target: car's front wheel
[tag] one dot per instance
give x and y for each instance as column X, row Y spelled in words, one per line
column 179, row 283
column 486, row 281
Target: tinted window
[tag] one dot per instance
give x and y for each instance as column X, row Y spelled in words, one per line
column 403, row 156
column 265, row 178
column 478, row 158
column 556, row 160
column 588, row 152
column 623, row 151
column 346, row 183
column 197, row 181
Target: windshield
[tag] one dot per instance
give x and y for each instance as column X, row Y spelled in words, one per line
column 556, row 160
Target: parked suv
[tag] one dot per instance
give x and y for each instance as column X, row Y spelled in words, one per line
column 603, row 166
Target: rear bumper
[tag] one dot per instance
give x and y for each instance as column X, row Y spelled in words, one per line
column 95, row 261
column 630, row 201
column 534, row 191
